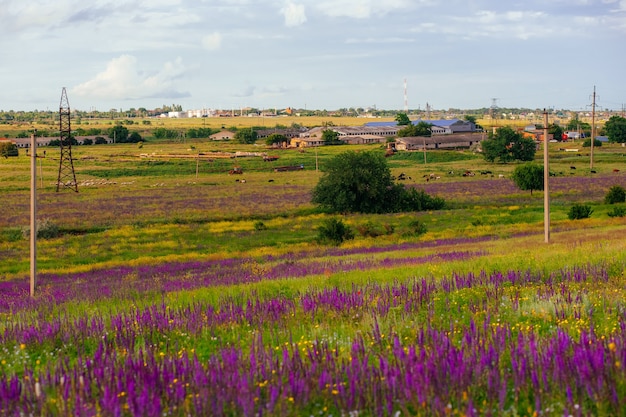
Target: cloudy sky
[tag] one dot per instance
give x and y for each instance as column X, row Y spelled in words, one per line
column 314, row 54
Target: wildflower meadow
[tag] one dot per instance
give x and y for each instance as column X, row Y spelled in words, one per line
column 199, row 295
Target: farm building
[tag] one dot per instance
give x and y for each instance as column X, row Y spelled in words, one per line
column 451, row 141
column 344, row 132
column 306, row 142
column 288, row 133
column 439, row 127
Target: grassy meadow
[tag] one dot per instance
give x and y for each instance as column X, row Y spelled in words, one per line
column 171, row 287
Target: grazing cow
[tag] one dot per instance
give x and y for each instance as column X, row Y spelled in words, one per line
column 616, row 170
column 500, row 176
column 572, row 167
column 270, row 180
column 593, row 171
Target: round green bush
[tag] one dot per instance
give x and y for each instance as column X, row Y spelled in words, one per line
column 579, row 211
column 616, row 194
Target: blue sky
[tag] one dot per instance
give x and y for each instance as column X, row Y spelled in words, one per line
column 314, row 54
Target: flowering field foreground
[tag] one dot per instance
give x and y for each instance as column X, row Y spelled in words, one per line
column 189, row 339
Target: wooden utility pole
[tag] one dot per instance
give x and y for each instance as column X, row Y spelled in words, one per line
column 33, row 212
column 546, row 180
column 593, row 127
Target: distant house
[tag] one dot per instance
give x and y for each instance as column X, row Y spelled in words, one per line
column 452, row 141
column 223, row 135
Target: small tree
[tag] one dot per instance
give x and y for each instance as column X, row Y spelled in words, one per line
column 579, row 211
column 333, row 231
column 246, row 136
column 506, row 145
column 8, row 149
column 615, row 129
column 528, row 177
column 119, row 134
column 275, row 138
column 556, row 131
column 135, row 137
column 616, row 194
column 402, row 119
column 331, row 137
column 361, row 182
column 419, row 129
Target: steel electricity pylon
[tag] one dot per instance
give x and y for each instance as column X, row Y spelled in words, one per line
column 67, row 177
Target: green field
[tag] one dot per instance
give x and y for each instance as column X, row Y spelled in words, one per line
column 171, row 287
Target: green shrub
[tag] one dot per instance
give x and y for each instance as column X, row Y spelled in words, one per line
column 587, row 143
column 371, row 229
column 333, row 232
column 11, row 235
column 258, row 226
column 8, row 149
column 579, row 211
column 45, row 230
column 618, row 211
column 616, row 194
column 416, row 228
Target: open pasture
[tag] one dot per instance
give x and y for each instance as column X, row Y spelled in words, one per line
column 174, row 288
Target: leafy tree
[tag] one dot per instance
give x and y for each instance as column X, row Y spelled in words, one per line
column 202, row 132
column 57, row 142
column 134, row 138
column 470, row 118
column 100, row 141
column 246, row 136
column 8, row 149
column 87, row 142
column 615, row 129
column 119, row 133
column 331, row 137
column 419, row 129
column 403, row 119
column 275, row 138
column 361, row 182
column 529, row 177
column 507, row 145
column 576, row 124
column 556, row 131
column 163, row 133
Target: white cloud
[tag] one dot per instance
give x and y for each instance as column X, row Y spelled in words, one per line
column 294, row 14
column 363, row 9
column 213, row 41
column 122, row 80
